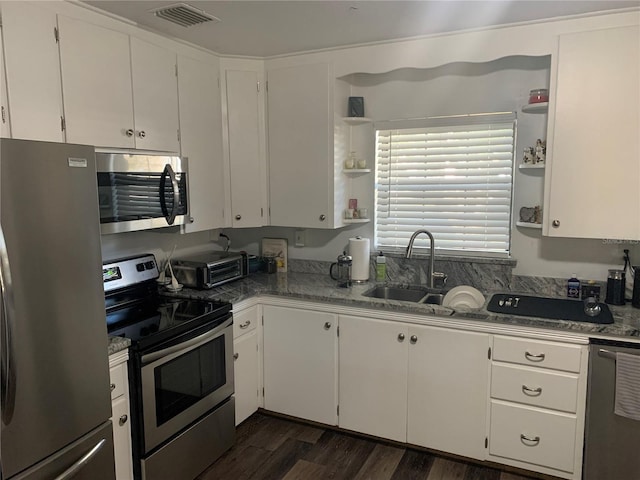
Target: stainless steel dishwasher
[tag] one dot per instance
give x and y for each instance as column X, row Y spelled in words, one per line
column 611, row 441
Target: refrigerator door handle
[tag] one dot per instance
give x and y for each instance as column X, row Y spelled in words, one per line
column 7, row 318
column 81, row 462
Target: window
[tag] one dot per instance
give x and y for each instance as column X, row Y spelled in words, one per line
column 452, row 176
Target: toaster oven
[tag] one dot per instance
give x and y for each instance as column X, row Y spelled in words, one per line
column 208, row 270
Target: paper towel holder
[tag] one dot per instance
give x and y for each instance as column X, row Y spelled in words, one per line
column 360, row 272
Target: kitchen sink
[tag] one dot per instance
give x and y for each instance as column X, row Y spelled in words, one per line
column 406, row 294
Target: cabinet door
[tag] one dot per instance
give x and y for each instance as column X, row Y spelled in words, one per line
column 245, row 156
column 201, row 141
column 155, row 96
column 448, row 390
column 373, row 377
column 33, row 71
column 596, row 145
column 96, row 84
column 245, row 354
column 122, row 438
column 300, row 363
column 300, row 146
column 5, row 126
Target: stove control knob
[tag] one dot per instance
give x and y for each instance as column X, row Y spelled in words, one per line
column 140, row 267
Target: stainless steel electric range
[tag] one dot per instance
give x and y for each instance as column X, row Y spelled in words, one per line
column 180, row 371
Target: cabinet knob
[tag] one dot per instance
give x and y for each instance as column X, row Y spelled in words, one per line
column 113, row 386
column 129, row 132
column 142, row 134
column 235, row 356
column 556, row 223
column 413, row 339
column 401, row 337
column 238, row 217
column 327, row 325
column 122, row 420
column 323, row 218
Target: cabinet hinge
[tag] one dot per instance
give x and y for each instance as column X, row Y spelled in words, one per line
column 489, row 353
column 176, row 69
column 258, row 86
column 4, row 115
column 178, row 134
column 263, row 320
column 486, row 442
column 261, row 209
column 263, row 391
column 338, row 410
column 63, row 124
column 338, row 330
column 56, row 34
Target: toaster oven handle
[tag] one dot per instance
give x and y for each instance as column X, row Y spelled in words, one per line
column 169, row 216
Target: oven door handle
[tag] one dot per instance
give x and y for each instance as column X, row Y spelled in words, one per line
column 194, row 342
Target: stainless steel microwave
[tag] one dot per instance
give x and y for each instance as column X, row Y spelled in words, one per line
column 141, row 190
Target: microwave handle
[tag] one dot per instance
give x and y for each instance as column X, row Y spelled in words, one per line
column 170, row 216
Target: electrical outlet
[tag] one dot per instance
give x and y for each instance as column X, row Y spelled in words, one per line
column 299, row 238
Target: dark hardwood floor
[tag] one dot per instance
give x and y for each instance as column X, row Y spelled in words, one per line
column 273, row 448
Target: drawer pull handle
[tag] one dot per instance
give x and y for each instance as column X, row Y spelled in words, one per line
column 245, row 324
column 532, row 441
column 532, row 392
column 113, row 386
column 537, row 357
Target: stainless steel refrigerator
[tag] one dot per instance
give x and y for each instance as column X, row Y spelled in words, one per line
column 55, row 376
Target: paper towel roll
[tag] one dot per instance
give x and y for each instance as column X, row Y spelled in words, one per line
column 359, row 251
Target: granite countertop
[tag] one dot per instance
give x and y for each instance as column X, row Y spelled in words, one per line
column 320, row 288
column 117, row 344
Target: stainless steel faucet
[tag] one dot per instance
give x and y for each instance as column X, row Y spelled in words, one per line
column 432, row 250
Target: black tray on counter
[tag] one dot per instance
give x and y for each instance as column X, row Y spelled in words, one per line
column 549, row 308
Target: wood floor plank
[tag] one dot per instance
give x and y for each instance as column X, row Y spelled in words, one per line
column 513, row 476
column 280, row 461
column 476, row 472
column 342, row 454
column 304, row 470
column 305, row 433
column 413, row 466
column 381, row 463
column 270, row 434
column 443, row 469
column 238, row 463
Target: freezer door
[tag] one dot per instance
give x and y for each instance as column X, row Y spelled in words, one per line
column 89, row 458
column 60, row 373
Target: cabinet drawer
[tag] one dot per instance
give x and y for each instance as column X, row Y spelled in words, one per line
column 541, row 388
column 245, row 321
column 535, row 353
column 117, row 376
column 533, row 436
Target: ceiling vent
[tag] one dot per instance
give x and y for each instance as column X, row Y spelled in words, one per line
column 184, row 15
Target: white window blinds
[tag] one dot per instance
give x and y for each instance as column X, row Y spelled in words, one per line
column 454, row 180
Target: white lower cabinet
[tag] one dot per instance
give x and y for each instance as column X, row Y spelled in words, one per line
column 246, row 362
column 373, row 377
column 300, row 363
column 538, row 391
column 121, row 415
column 448, row 384
column 406, row 383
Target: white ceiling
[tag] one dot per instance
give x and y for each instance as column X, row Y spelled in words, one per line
column 267, row 28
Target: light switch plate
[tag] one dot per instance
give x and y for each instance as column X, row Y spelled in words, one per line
column 299, row 238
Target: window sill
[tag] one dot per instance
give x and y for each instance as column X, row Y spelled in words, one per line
column 452, row 258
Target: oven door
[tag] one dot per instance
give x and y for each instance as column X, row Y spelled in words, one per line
column 185, row 379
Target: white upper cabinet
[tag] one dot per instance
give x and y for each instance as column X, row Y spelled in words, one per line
column 201, row 141
column 593, row 175
column 5, row 126
column 246, row 158
column 32, row 72
column 107, row 77
column 155, row 96
column 300, row 126
column 96, row 80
